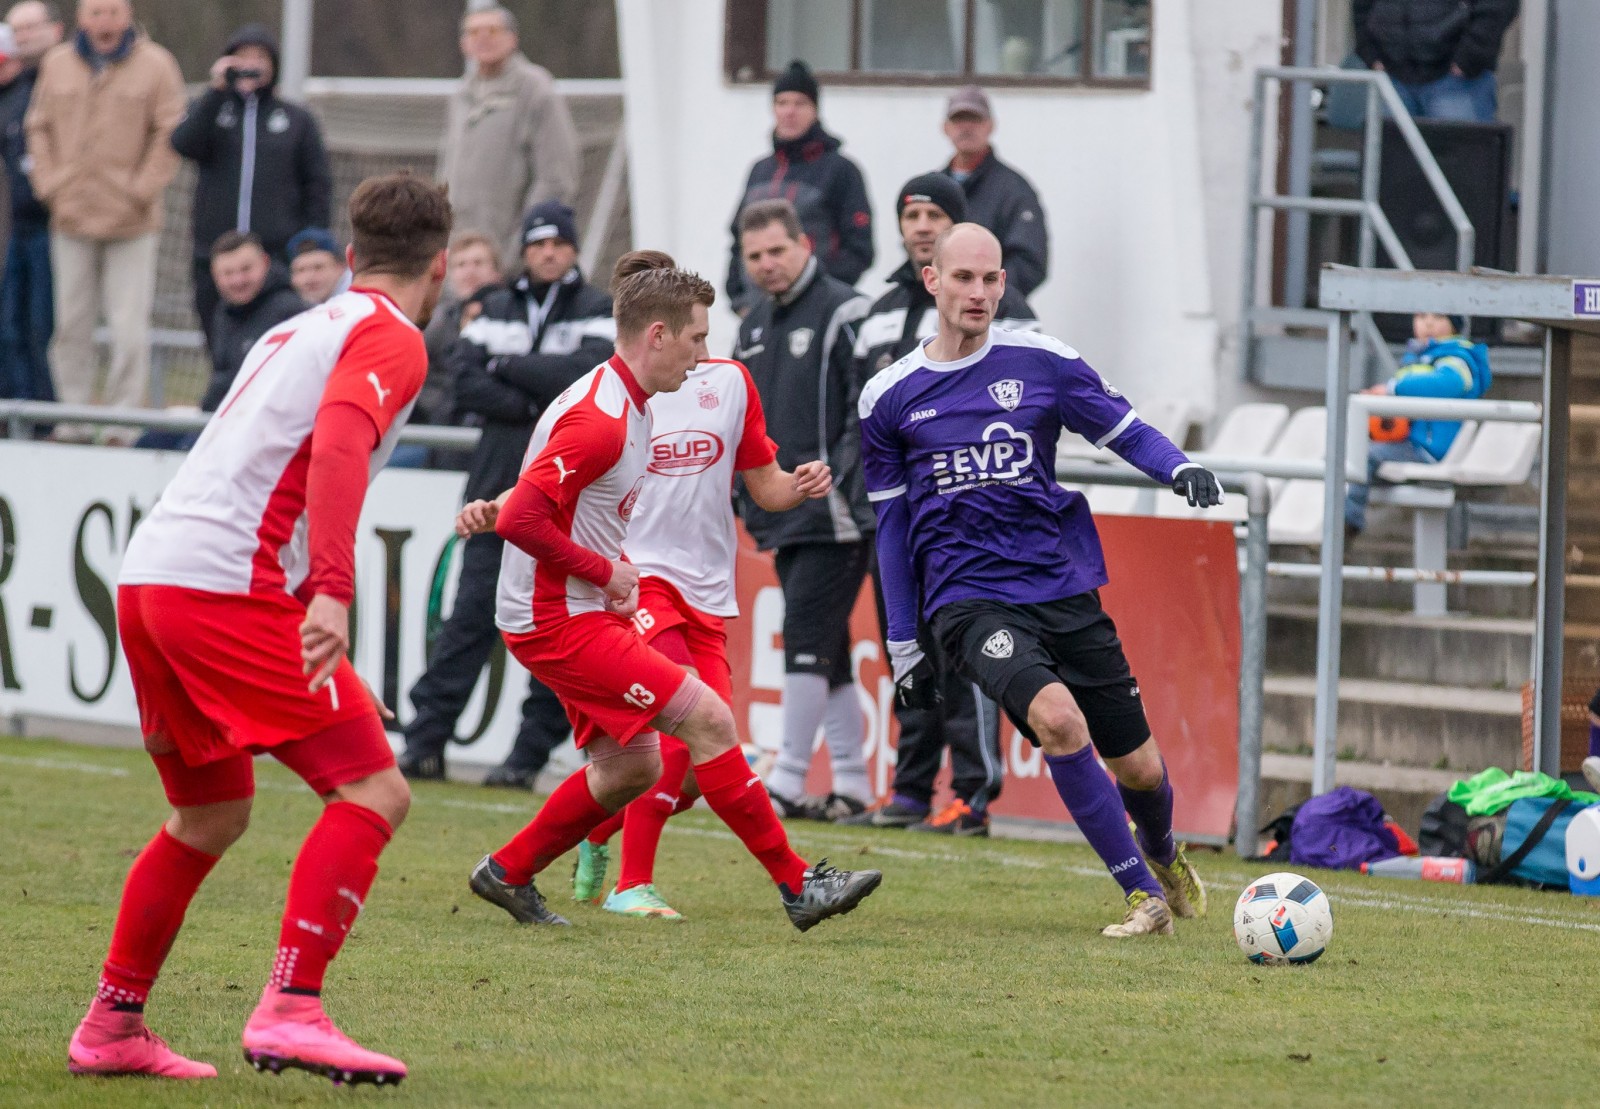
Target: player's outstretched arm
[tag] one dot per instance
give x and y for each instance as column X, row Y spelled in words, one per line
column 778, row 490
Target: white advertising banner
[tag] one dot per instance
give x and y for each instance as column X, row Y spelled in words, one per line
column 66, row 513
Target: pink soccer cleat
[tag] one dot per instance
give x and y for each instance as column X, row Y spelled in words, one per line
column 291, row 1030
column 110, row 1043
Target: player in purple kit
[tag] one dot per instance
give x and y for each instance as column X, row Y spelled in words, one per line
column 998, row 567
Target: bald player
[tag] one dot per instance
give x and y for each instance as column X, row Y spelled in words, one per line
column 1016, row 608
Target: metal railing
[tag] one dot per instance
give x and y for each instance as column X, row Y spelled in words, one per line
column 21, row 416
column 1374, row 224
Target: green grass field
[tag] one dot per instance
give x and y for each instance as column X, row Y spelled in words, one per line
column 975, row 976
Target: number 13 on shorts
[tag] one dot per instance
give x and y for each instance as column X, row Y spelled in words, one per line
column 639, row 697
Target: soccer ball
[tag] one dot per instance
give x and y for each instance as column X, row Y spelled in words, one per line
column 1282, row 918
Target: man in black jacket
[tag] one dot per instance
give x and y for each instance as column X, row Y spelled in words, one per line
column 825, row 187
column 254, row 297
column 966, row 721
column 998, row 197
column 27, row 308
column 798, row 342
column 528, row 342
column 262, row 164
column 1440, row 54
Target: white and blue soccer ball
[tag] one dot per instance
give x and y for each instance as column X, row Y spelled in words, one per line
column 1281, row 919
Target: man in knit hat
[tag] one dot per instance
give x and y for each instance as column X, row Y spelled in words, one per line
column 965, row 721
column 998, row 197
column 806, row 169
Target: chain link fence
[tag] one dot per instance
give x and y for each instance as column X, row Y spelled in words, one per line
column 367, row 133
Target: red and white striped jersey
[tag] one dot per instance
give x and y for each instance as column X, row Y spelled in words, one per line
column 683, row 527
column 233, row 518
column 588, row 454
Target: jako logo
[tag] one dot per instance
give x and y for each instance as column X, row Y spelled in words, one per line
column 921, row 414
column 1004, row 455
column 1125, row 864
column 684, row 453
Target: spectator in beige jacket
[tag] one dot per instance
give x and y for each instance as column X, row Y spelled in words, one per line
column 99, row 134
column 509, row 142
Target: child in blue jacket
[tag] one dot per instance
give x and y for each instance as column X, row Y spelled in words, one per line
column 1438, row 363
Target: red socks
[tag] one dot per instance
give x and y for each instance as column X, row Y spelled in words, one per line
column 647, row 815
column 160, row 885
column 569, row 815
column 736, row 794
column 332, row 874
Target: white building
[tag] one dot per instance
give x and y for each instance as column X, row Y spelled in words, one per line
column 1141, row 177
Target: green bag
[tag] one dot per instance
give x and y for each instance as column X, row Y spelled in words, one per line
column 1493, row 790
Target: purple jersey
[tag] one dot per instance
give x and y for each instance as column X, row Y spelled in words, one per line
column 969, row 448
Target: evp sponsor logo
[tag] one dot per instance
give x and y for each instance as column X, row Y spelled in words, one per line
column 1004, row 455
column 684, row 453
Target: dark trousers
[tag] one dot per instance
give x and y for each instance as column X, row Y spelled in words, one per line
column 27, row 317
column 460, row 651
column 967, row 722
column 206, row 297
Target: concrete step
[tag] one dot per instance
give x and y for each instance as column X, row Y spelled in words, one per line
column 1473, row 651
column 1404, row 792
column 1401, row 723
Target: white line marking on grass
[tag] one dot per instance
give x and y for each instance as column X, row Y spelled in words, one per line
column 65, row 764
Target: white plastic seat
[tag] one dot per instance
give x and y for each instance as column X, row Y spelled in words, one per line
column 1296, row 516
column 1443, row 470
column 1115, row 500
column 1171, row 416
column 1501, row 454
column 1304, row 436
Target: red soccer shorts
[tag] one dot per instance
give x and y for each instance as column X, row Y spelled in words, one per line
column 608, row 678
column 662, row 607
column 218, row 674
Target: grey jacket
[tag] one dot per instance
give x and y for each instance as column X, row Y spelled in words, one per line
column 508, row 144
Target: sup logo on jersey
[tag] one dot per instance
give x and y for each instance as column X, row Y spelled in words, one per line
column 1007, row 394
column 684, row 453
column 708, row 398
column 999, row 645
column 1004, row 456
column 625, row 509
column 800, row 341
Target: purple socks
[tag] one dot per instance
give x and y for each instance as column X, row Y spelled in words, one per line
column 1151, row 810
column 1097, row 810
column 1594, row 739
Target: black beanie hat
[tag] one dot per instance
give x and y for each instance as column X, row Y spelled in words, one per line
column 934, row 188
column 798, row 78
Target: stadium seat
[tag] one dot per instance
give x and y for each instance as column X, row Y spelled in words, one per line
column 1296, row 516
column 1501, row 454
column 1443, row 470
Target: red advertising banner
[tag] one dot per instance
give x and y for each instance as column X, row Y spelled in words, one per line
column 1174, row 594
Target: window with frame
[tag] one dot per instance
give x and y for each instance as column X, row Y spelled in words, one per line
column 907, row 42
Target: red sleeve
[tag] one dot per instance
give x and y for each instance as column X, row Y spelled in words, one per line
column 583, row 445
column 756, row 448
column 532, row 521
column 342, row 442
column 380, row 370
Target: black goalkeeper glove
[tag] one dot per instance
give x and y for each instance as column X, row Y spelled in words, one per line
column 916, row 682
column 1197, row 485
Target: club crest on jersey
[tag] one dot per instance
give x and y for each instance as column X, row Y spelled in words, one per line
column 999, row 645
column 708, row 397
column 1007, row 394
column 625, row 509
column 800, row 341
column 1111, row 390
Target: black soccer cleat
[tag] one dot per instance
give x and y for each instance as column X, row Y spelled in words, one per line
column 421, row 767
column 524, row 903
column 510, row 777
column 826, row 892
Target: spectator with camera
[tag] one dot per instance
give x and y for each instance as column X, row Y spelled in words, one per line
column 262, row 165
column 100, row 139
column 27, row 314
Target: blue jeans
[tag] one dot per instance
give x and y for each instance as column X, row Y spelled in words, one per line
column 1468, row 99
column 27, row 317
column 1355, row 502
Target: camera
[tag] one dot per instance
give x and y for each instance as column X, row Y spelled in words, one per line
column 234, row 74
